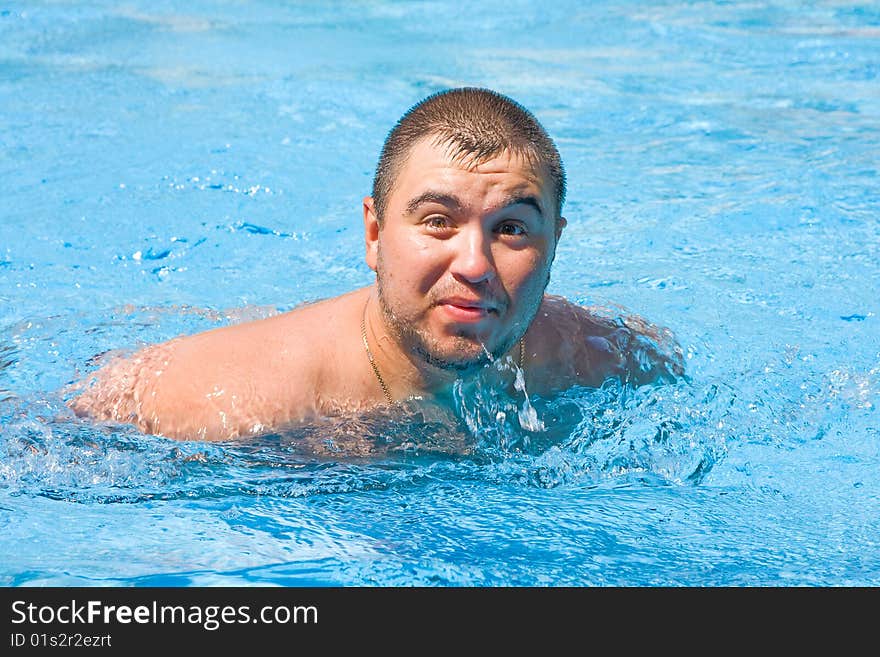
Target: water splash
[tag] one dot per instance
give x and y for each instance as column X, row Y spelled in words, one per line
column 528, row 417
column 487, row 408
column 617, row 434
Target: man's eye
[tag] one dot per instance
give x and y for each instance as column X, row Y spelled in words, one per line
column 511, row 228
column 437, row 222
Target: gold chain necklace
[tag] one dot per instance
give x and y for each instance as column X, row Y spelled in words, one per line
column 382, row 384
column 373, row 360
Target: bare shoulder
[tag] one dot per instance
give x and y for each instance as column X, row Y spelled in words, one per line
column 223, row 383
column 590, row 344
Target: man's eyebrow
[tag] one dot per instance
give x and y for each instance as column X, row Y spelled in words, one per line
column 528, row 199
column 448, row 200
column 452, row 202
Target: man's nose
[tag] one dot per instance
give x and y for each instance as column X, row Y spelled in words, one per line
column 473, row 262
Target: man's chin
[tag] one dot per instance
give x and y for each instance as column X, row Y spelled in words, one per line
column 457, row 360
column 463, row 356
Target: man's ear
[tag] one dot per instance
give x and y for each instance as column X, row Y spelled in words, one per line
column 561, row 223
column 371, row 232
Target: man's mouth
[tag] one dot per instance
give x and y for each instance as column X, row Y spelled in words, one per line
column 463, row 309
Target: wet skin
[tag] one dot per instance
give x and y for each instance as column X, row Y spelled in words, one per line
column 462, row 257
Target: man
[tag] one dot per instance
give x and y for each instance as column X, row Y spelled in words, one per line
column 461, row 230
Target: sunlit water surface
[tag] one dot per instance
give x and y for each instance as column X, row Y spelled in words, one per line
column 171, row 167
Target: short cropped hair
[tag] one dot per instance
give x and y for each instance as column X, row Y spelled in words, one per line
column 477, row 124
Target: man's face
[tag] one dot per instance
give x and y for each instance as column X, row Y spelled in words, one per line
column 463, row 254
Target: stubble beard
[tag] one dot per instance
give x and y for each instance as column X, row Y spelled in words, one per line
column 426, row 347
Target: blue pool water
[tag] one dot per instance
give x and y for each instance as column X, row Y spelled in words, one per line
column 170, row 167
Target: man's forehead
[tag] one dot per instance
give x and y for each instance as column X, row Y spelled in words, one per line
column 436, row 148
column 432, row 155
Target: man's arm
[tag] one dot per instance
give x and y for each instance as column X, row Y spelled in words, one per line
column 653, row 353
column 215, row 385
column 636, row 351
column 156, row 389
column 593, row 344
